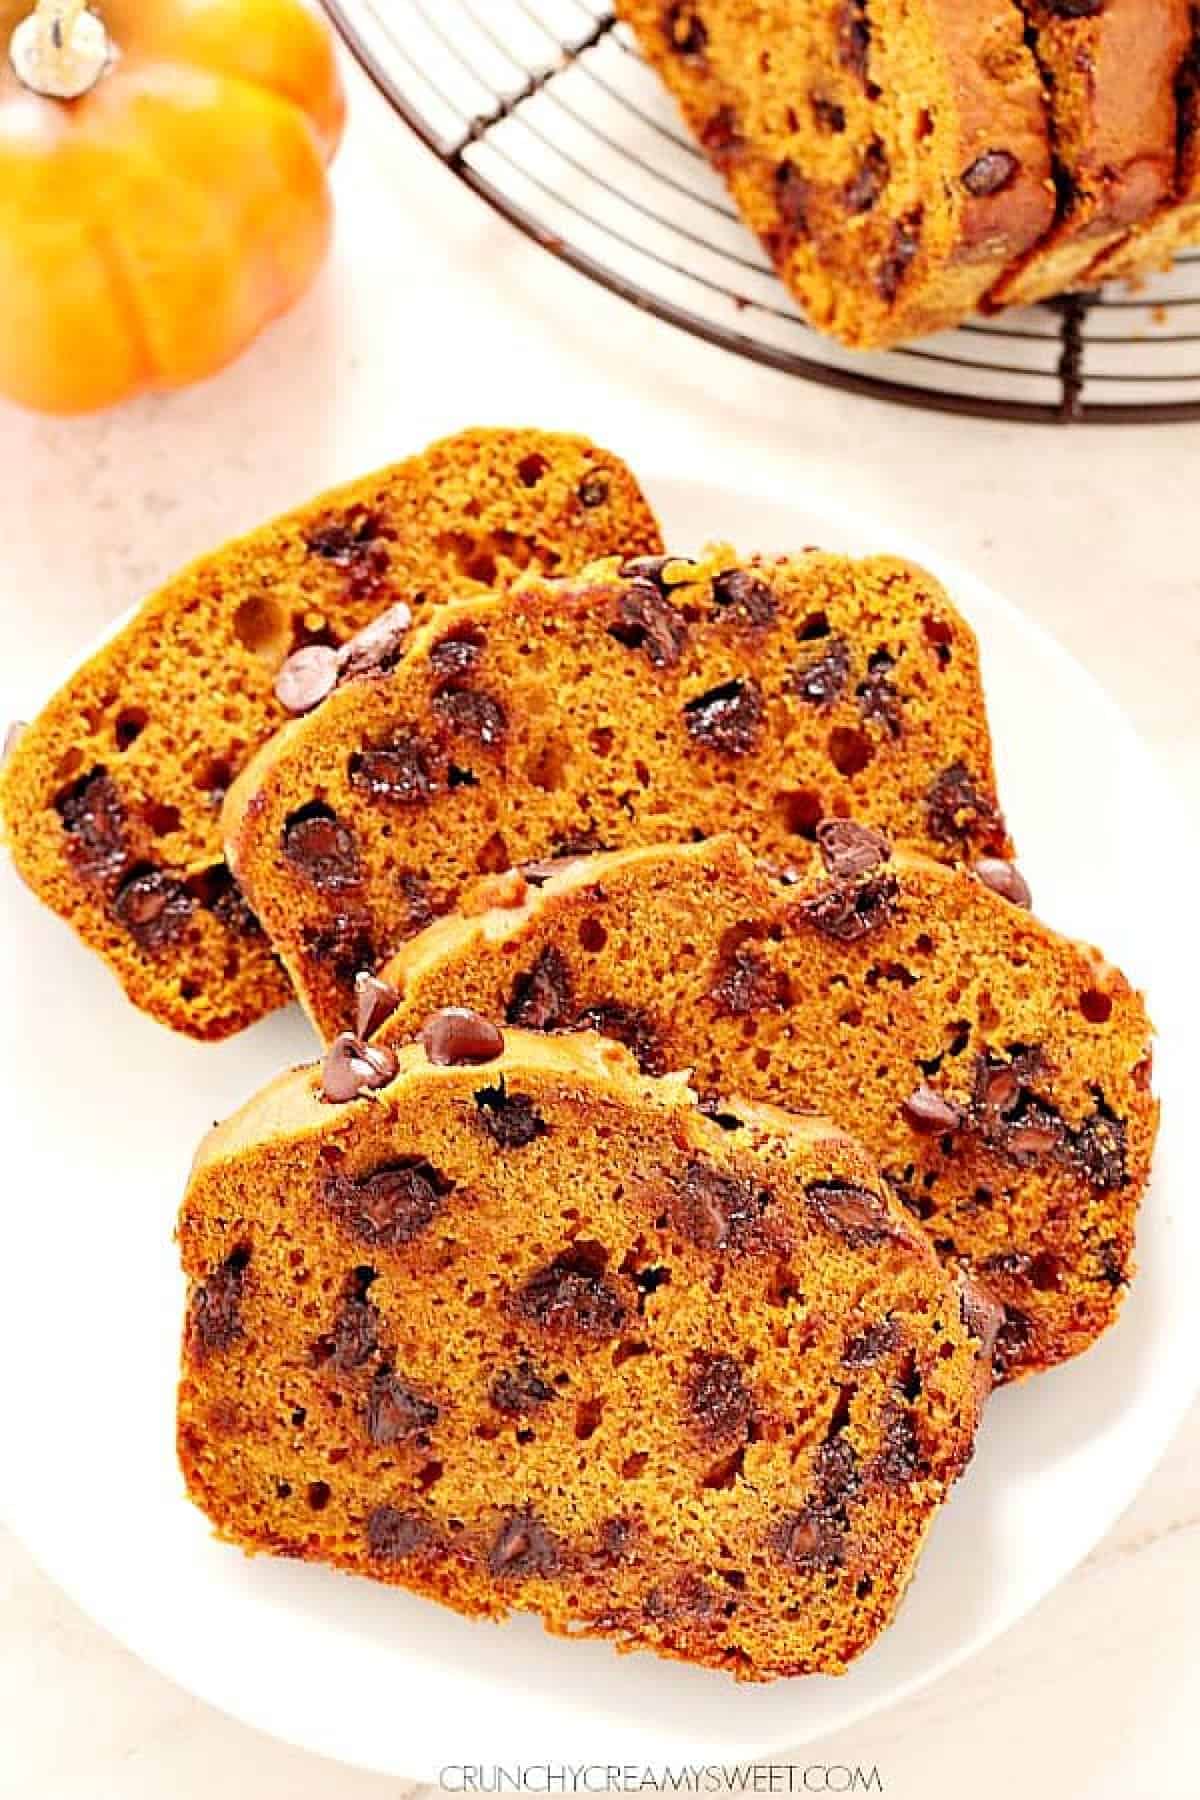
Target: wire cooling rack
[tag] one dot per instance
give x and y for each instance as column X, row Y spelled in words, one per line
column 545, row 109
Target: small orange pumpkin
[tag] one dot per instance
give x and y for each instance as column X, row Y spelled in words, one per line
column 162, row 187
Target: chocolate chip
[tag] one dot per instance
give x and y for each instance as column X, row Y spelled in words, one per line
column 1005, row 879
column 471, row 714
column 594, row 490
column 847, row 911
column 629, row 1026
column 353, row 545
column 1077, row 9
column 863, row 190
column 746, row 983
column 351, row 1068
column 219, row 894
column 457, row 1035
column 522, row 1547
column 541, row 998
column 809, row 1540
column 1098, row 1149
column 1013, row 1339
column 398, row 770
column 981, row 1314
column 718, row 1398
column 307, row 677
column 375, row 1002
column 648, row 622
column 727, row 718
column 390, row 1206
column 899, row 1460
column 835, row 1470
column 848, row 850
column 518, row 1391
column 827, row 114
column 822, row 681
column 393, row 1535
column 322, row 848
column 353, row 1338
column 745, row 598
column 929, row 1114
column 456, row 655
column 956, row 809
column 716, row 1210
column 991, row 173
column 854, row 37
column 572, row 1294
column 869, row 1345
column 793, row 197
column 1008, row 1114
column 214, row 1309
column 721, row 136
column 512, row 1120
column 343, row 945
column 902, row 249
column 855, row 1213
column 378, row 647
column 684, row 29
column 396, row 1411
column 153, row 907
column 93, row 816
column 1111, row 1259
column 878, row 699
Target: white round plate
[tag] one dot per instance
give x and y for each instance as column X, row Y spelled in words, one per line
column 105, row 1108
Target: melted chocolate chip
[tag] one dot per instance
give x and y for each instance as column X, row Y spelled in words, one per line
column 214, row 1310
column 899, row 1459
column 727, row 718
column 868, row 1346
column 718, row 1399
column 93, row 817
column 399, row 770
column 846, row 911
column 878, row 699
column 684, row 29
column 718, row 1211
column 522, row 1547
column 218, row 892
column 629, row 1026
column 902, row 249
column 458, row 1035
column 541, row 998
column 746, row 983
column 343, row 945
column 594, row 490
column 848, row 850
column 392, row 1205
column 991, row 173
column 957, row 811
column 351, row 1068
column 809, row 1540
column 1098, row 1149
column 928, row 1114
column 648, row 622
column 471, row 714
column 854, row 37
column 456, row 655
column 744, row 598
column 721, row 136
column 323, row 849
column 375, row 1001
column 512, row 1120
column 1005, row 879
column 154, row 908
column 396, row 1411
column 307, row 677
column 854, row 1213
column 835, row 1471
column 378, row 647
column 822, row 681
column 518, row 1391
column 793, row 197
column 1013, row 1339
column 353, row 544
column 353, row 1338
column 393, row 1535
column 981, row 1314
column 864, row 189
column 572, row 1294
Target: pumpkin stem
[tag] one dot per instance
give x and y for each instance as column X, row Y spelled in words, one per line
column 61, row 50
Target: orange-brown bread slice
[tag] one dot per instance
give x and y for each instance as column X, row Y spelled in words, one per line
column 672, row 701
column 892, row 155
column 999, row 1073
column 535, row 1335
column 1110, row 68
column 111, row 800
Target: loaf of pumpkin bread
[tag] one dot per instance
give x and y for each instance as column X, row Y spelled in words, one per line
column 648, row 701
column 111, row 799
column 515, row 1327
column 998, row 1073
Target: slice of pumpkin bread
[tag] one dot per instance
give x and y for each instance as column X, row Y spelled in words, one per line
column 111, row 799
column 515, row 1327
column 648, row 701
column 998, row 1073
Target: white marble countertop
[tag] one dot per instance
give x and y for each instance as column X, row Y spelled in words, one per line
column 432, row 315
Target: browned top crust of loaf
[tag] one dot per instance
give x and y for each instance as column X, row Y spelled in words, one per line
column 647, row 702
column 536, row 1335
column 999, row 1073
column 894, row 158
column 111, row 799
column 1110, row 68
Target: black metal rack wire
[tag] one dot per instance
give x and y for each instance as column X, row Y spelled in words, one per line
column 547, row 112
